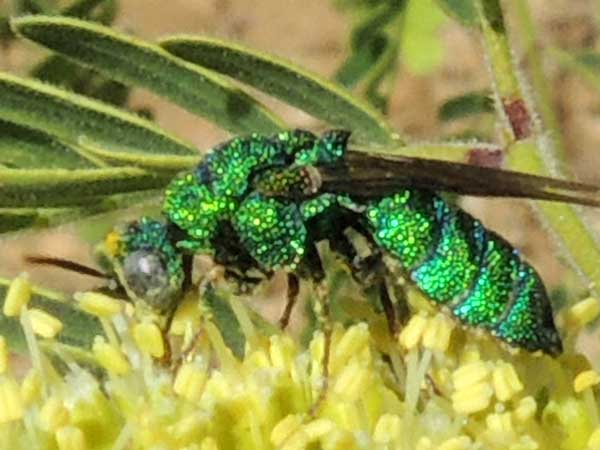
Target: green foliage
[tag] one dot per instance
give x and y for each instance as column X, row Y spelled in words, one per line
column 471, row 103
column 112, row 54
column 374, row 48
column 421, row 46
column 290, row 83
column 463, row 10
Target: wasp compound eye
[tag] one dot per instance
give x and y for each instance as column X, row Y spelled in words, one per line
column 147, row 276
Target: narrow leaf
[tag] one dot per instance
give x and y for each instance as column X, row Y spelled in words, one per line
column 60, row 71
column 224, row 318
column 137, row 63
column 79, row 328
column 17, row 219
column 292, row 84
column 585, row 64
column 22, row 147
column 469, row 104
column 81, row 8
column 20, row 219
column 73, row 117
column 463, row 10
column 60, row 187
column 421, row 44
column 359, row 63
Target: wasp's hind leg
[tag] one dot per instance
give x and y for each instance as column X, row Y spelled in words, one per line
column 372, row 273
column 293, row 289
column 369, row 270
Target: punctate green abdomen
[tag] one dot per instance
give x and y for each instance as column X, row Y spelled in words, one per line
column 453, row 259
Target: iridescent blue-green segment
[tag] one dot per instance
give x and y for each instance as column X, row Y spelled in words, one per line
column 457, row 262
column 147, row 262
column 198, row 201
column 272, row 231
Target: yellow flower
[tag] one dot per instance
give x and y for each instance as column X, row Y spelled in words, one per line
column 435, row 386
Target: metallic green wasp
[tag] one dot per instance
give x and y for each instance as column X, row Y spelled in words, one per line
column 262, row 203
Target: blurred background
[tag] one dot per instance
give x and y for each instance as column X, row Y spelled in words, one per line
column 434, row 85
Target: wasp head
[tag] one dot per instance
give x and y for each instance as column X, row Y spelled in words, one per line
column 146, row 264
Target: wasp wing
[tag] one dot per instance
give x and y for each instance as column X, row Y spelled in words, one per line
column 366, row 175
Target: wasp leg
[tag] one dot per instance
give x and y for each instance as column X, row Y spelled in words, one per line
column 370, row 272
column 293, row 289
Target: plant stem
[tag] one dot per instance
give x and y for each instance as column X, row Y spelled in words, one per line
column 528, row 147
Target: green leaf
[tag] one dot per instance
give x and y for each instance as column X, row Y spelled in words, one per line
column 30, row 6
column 137, row 63
column 288, row 82
column 469, row 104
column 463, row 10
column 82, row 8
column 14, row 219
column 6, row 34
column 79, row 328
column 17, row 219
column 585, row 64
column 421, row 46
column 359, row 63
column 61, row 71
column 73, row 118
column 60, row 187
column 225, row 320
column 22, row 147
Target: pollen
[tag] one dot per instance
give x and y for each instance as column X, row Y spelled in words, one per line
column 99, row 305
column 594, row 440
column 388, row 429
column 525, row 409
column 470, row 374
column 53, row 414
column 44, row 324
column 506, row 381
column 31, row 387
column 149, row 339
column 3, row 355
column 70, row 438
column 352, row 381
column 436, row 335
column 189, row 382
column 585, row 380
column 353, row 342
column 11, row 405
column 285, row 428
column 473, row 391
column 456, row 443
column 318, row 428
column 583, row 312
column 412, row 333
column 112, row 243
column 499, row 423
column 110, row 357
column 18, row 295
column 281, row 351
column 209, row 444
column 472, row 399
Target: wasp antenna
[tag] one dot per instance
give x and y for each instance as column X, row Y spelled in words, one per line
column 64, row 264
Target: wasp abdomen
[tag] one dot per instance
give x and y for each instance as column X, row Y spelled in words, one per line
column 457, row 262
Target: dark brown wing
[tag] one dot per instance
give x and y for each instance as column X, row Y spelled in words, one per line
column 373, row 175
